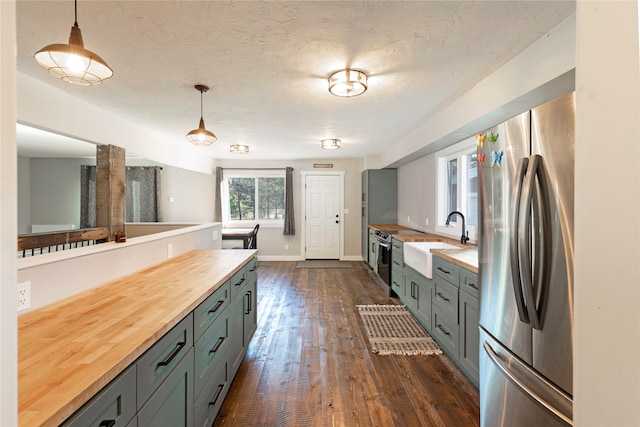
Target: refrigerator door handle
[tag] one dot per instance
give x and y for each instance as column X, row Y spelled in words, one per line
column 514, row 247
column 555, row 401
column 535, row 270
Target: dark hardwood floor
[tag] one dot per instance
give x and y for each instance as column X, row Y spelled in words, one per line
column 309, row 363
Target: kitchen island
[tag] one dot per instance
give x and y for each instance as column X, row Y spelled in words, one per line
column 70, row 350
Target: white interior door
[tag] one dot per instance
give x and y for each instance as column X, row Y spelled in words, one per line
column 322, row 213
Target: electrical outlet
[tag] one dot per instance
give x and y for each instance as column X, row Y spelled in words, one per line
column 169, row 250
column 426, row 221
column 286, row 247
column 215, row 234
column 24, row 296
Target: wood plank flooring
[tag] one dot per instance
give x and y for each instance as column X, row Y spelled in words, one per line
column 309, row 363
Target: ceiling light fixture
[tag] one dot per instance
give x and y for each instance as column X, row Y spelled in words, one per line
column 201, row 136
column 239, row 148
column 72, row 62
column 348, row 83
column 330, row 144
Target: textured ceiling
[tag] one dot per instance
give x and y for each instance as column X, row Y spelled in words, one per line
column 267, row 64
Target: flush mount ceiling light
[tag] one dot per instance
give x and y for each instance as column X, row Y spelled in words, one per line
column 239, row 148
column 330, row 144
column 348, row 83
column 201, row 136
column 72, row 62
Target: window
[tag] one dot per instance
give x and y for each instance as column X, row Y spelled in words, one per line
column 458, row 188
column 253, row 196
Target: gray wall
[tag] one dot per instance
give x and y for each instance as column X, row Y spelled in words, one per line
column 417, row 194
column 49, row 192
column 271, row 242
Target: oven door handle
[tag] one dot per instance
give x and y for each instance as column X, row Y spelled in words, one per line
column 384, row 245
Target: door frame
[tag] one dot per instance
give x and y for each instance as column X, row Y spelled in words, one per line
column 303, row 235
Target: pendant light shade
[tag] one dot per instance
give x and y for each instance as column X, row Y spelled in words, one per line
column 330, row 144
column 201, row 136
column 72, row 62
column 348, row 83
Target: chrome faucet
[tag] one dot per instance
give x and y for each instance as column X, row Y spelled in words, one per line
column 465, row 235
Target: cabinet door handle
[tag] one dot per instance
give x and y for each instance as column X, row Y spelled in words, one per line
column 442, row 297
column 107, row 423
column 218, row 393
column 248, row 295
column 240, row 282
column 443, row 330
column 216, row 307
column 217, row 346
column 173, row 354
column 443, row 270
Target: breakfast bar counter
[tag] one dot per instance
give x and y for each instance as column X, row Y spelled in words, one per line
column 68, row 351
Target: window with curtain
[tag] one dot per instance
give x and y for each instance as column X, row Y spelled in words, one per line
column 253, row 196
column 142, row 197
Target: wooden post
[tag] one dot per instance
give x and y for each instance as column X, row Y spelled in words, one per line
column 111, row 188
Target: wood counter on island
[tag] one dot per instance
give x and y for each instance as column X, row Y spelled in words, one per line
column 70, row 350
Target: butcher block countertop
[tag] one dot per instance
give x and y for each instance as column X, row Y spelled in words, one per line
column 465, row 258
column 68, row 351
column 388, row 227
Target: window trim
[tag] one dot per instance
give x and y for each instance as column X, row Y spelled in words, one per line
column 249, row 173
column 458, row 151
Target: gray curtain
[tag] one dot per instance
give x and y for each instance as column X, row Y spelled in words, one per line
column 143, row 194
column 217, row 214
column 289, row 218
column 87, row 196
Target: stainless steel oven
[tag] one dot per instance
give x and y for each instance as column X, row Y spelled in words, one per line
column 384, row 256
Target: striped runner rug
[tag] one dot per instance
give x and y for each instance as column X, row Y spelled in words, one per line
column 391, row 329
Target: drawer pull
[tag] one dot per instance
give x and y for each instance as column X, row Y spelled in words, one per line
column 173, row 354
column 396, row 262
column 216, row 307
column 240, row 282
column 217, row 346
column 442, row 297
column 218, row 393
column 107, row 423
column 252, row 269
column 474, row 286
column 443, row 270
column 443, row 330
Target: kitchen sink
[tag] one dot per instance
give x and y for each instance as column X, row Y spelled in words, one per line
column 417, row 255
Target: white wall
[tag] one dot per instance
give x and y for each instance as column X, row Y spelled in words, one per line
column 8, row 217
column 24, row 195
column 271, row 242
column 607, row 222
column 417, row 194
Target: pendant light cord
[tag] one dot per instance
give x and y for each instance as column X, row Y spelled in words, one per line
column 201, row 104
column 75, row 6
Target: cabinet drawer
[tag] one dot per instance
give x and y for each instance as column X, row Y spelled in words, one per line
column 207, row 312
column 208, row 404
column 209, row 350
column 445, row 332
column 397, row 246
column 157, row 363
column 469, row 282
column 447, row 270
column 397, row 282
column 237, row 281
column 172, row 403
column 445, row 296
column 397, row 260
column 252, row 268
column 113, row 406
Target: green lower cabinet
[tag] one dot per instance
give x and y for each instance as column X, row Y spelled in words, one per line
column 210, row 400
column 171, row 405
column 469, row 335
column 419, row 296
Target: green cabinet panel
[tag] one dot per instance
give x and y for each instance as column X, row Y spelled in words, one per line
column 159, row 361
column 238, row 281
column 115, row 405
column 446, row 270
column 171, row 405
column 207, row 312
column 250, row 320
column 208, row 404
column 209, row 351
column 379, row 203
column 418, row 296
column 469, row 335
column 445, row 331
column 445, row 296
column 373, row 251
column 242, row 324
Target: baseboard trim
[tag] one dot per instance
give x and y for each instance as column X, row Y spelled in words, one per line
column 301, row 258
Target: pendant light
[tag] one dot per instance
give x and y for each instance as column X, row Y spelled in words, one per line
column 348, row 83
column 72, row 62
column 201, row 136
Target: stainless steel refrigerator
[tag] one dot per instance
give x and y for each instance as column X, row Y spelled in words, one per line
column 526, row 268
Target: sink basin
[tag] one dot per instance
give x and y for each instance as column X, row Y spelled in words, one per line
column 417, row 255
